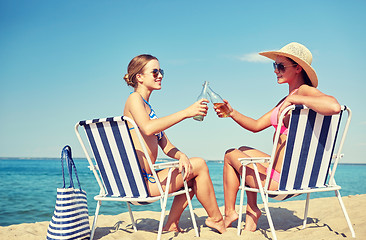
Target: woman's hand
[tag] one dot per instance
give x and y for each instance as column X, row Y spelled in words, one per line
column 287, row 102
column 198, row 108
column 313, row 99
column 185, row 164
column 221, row 113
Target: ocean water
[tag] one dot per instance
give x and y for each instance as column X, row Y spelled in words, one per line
column 28, row 188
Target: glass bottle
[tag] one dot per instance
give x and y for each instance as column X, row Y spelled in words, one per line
column 203, row 95
column 218, row 102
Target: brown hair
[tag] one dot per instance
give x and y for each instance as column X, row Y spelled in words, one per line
column 303, row 73
column 135, row 67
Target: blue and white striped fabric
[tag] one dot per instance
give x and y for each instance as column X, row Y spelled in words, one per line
column 308, row 154
column 116, row 158
column 70, row 219
column 309, row 149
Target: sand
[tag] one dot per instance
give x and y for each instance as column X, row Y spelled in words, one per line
column 325, row 221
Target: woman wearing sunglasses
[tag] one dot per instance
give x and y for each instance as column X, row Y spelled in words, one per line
column 145, row 76
column 292, row 66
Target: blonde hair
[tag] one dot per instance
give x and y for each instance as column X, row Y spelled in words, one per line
column 136, row 66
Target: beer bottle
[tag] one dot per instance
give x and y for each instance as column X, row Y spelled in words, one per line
column 203, row 95
column 218, row 102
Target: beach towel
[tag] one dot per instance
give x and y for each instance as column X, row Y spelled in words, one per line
column 70, row 218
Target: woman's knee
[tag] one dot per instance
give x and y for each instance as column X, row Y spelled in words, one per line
column 232, row 155
column 229, row 151
column 199, row 163
column 252, row 152
column 246, row 148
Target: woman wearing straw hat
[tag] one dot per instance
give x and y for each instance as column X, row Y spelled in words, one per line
column 292, row 66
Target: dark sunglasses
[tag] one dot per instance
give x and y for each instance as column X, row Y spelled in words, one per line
column 280, row 67
column 155, row 72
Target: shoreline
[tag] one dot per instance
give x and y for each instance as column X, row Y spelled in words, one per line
column 325, row 221
column 159, row 159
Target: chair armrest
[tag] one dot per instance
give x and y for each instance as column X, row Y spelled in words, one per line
column 173, row 164
column 246, row 161
column 94, row 167
column 340, row 156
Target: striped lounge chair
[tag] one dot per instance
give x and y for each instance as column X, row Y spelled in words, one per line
column 117, row 169
column 310, row 149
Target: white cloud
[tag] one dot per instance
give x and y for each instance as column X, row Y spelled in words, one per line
column 253, row 57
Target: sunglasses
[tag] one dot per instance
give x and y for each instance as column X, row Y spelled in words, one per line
column 155, row 72
column 280, row 67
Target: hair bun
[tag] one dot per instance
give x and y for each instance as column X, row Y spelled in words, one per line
column 129, row 81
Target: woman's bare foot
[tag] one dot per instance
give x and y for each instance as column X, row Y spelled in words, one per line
column 230, row 218
column 251, row 219
column 216, row 224
column 172, row 228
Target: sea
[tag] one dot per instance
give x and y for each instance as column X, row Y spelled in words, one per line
column 28, row 188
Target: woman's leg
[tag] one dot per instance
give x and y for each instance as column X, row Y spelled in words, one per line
column 201, row 184
column 179, row 204
column 253, row 213
column 205, row 194
column 232, row 171
column 231, row 182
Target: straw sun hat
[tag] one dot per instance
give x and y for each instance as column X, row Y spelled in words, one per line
column 300, row 54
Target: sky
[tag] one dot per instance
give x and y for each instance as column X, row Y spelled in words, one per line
column 64, row 61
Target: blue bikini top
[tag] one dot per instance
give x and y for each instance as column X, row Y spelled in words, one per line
column 152, row 115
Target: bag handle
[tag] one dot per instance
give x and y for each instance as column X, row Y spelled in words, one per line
column 66, row 155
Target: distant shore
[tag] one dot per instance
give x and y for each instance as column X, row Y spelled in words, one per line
column 325, row 221
column 159, row 159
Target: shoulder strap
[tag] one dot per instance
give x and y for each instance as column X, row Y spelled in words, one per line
column 147, row 103
column 66, row 155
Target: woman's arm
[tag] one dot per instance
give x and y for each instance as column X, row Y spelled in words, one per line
column 171, row 151
column 253, row 125
column 314, row 99
column 136, row 107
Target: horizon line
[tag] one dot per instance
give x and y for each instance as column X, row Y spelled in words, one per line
column 163, row 159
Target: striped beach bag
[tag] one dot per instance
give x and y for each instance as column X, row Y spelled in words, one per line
column 70, row 219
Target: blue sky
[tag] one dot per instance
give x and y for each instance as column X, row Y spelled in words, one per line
column 63, row 61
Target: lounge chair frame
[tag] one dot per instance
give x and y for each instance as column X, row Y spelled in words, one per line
column 264, row 190
column 104, row 195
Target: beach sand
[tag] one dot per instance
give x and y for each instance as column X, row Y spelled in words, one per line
column 325, row 221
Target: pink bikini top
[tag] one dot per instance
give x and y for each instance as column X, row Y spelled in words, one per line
column 274, row 117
